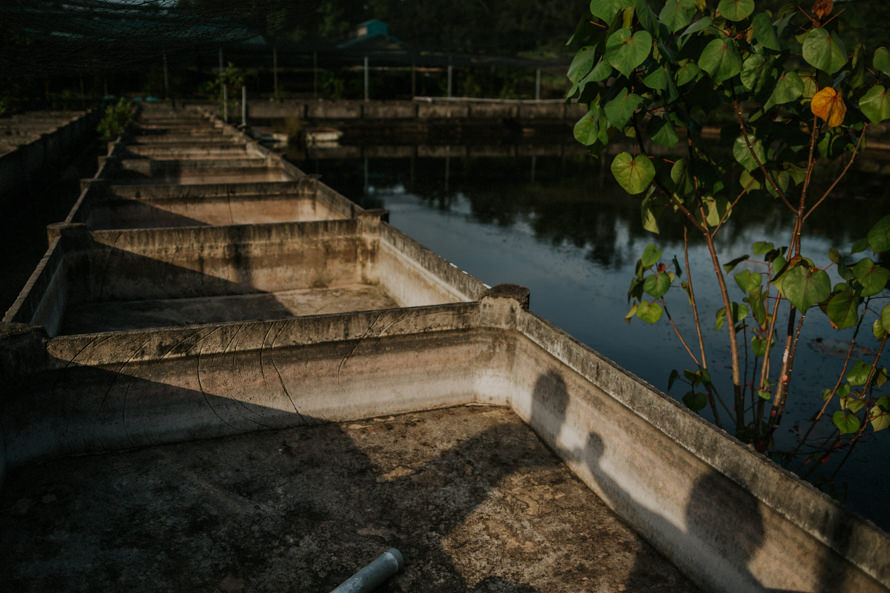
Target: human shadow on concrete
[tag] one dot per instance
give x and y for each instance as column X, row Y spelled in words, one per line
column 713, row 501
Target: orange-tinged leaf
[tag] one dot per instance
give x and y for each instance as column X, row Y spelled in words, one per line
column 822, row 8
column 828, row 104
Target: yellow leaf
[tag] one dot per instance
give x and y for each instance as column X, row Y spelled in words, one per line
column 822, row 8
column 828, row 104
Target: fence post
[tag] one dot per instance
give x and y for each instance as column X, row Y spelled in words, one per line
column 166, row 78
column 244, row 106
column 450, row 71
column 275, row 72
column 367, row 94
column 538, row 84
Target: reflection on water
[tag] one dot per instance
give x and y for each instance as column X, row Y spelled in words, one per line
column 549, row 218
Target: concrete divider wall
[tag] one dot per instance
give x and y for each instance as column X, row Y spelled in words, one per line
column 44, row 298
column 730, row 519
column 406, row 110
column 415, row 276
column 33, row 160
column 212, row 261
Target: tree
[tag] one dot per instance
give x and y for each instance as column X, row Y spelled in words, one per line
column 795, row 91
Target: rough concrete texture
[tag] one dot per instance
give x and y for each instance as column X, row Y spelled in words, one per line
column 471, row 497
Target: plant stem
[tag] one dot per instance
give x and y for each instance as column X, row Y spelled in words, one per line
column 869, row 386
column 766, row 175
column 738, row 394
column 840, row 176
column 783, row 386
column 837, row 385
column 692, row 301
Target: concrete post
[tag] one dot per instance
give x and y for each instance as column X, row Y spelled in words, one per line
column 315, row 74
column 275, row 72
column 538, row 84
column 450, row 74
column 225, row 97
column 243, row 106
column 367, row 94
column 166, row 78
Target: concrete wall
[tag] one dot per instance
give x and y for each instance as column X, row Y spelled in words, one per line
column 413, row 110
column 728, row 517
column 50, row 150
column 111, row 266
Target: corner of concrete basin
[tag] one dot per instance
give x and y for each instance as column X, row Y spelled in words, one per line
column 730, row 518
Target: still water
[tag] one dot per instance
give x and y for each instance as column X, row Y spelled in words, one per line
column 551, row 219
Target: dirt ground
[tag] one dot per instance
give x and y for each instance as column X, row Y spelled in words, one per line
column 469, row 495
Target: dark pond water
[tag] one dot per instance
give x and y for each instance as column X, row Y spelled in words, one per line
column 554, row 222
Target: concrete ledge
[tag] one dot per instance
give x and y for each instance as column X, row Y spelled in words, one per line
column 731, row 519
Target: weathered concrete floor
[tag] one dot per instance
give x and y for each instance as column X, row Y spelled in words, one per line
column 124, row 315
column 471, row 497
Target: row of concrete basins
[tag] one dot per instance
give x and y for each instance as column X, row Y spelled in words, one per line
column 202, row 286
column 188, row 224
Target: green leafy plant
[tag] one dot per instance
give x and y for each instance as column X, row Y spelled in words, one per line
column 795, row 94
column 114, row 120
column 230, row 80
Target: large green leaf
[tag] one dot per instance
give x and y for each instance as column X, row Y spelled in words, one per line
column 600, row 72
column 648, row 215
column 764, row 32
column 591, row 127
column 665, row 134
column 695, row 401
column 649, row 312
column 879, row 235
column 634, row 174
column 687, row 72
column 677, row 14
column 625, row 50
column 805, row 287
column 720, row 59
column 657, row 284
column 879, row 414
column 582, row 63
column 843, row 309
column 858, row 374
column 753, row 73
column 682, row 180
column 645, row 15
column 620, row 109
column 743, row 154
column 651, row 255
column 846, row 422
column 607, row 9
column 881, row 60
column 875, row 104
column 658, row 79
column 748, row 281
column 824, row 51
column 885, row 317
column 871, row 276
column 736, row 10
column 788, row 88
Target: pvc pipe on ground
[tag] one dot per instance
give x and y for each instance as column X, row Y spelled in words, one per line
column 374, row 574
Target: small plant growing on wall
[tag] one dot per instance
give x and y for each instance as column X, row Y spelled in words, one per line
column 114, row 120
column 795, row 96
column 225, row 89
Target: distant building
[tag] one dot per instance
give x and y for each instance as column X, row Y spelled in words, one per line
column 374, row 35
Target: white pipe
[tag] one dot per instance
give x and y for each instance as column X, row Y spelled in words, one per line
column 374, row 574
